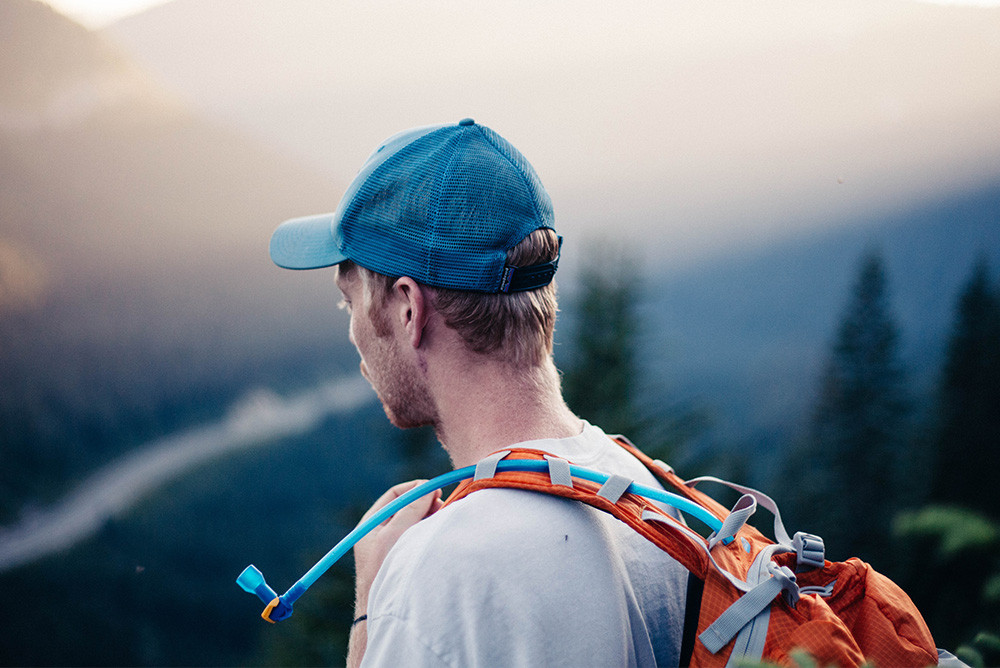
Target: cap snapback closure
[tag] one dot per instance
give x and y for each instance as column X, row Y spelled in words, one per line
column 519, row 279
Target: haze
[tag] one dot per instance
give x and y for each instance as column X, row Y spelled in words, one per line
column 707, row 125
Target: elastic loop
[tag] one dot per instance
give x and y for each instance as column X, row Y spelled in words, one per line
column 559, row 473
column 667, row 468
column 737, row 517
column 487, row 468
column 763, row 500
column 614, row 487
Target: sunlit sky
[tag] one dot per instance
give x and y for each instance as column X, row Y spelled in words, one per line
column 99, row 13
column 756, row 120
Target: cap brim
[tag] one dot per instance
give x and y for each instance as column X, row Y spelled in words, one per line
column 306, row 243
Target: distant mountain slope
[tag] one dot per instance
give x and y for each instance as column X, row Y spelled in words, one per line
column 747, row 335
column 135, row 289
column 127, row 183
column 779, row 141
column 55, row 70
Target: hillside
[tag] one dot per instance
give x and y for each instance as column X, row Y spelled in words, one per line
column 136, row 294
column 747, row 335
column 135, row 290
column 56, row 72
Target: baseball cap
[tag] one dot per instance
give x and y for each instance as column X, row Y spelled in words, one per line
column 441, row 204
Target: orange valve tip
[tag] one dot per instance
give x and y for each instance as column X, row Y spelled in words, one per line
column 269, row 609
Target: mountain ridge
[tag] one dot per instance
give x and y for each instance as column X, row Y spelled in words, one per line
column 721, row 336
column 136, row 294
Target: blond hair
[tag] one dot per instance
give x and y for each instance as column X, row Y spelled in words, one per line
column 516, row 328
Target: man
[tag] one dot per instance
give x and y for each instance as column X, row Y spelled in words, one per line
column 445, row 253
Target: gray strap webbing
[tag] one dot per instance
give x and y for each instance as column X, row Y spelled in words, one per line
column 559, row 471
column 825, row 591
column 746, row 608
column 651, row 516
column 663, row 465
column 737, row 517
column 613, row 489
column 487, row 468
column 746, row 619
column 749, row 644
column 763, row 500
column 948, row 660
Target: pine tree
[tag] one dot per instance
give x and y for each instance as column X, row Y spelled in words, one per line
column 603, row 382
column 599, row 384
column 859, row 425
column 968, row 433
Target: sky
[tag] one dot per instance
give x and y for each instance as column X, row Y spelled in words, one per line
column 757, row 121
column 99, row 13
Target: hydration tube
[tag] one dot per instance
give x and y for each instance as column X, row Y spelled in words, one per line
column 280, row 607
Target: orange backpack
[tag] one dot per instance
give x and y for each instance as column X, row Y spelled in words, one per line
column 759, row 599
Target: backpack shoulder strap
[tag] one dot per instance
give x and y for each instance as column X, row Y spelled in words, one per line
column 666, row 475
column 682, row 543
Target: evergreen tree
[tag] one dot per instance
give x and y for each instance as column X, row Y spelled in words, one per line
column 859, row 425
column 966, row 467
column 599, row 384
column 603, row 380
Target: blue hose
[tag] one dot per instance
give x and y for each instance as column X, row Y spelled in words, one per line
column 252, row 581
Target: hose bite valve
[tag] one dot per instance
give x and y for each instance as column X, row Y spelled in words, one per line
column 252, row 581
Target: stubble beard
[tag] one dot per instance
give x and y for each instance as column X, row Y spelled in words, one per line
column 403, row 393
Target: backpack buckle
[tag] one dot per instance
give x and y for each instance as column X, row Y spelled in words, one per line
column 809, row 551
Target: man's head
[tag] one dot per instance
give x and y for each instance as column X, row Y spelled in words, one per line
column 514, row 327
column 460, row 212
column 441, row 204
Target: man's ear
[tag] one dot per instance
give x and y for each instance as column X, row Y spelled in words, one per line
column 413, row 308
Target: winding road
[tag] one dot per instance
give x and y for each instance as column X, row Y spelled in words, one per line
column 259, row 419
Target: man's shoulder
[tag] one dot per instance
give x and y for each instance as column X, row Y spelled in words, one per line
column 493, row 521
column 504, row 567
column 498, row 533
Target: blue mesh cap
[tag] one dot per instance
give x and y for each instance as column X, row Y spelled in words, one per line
column 441, row 204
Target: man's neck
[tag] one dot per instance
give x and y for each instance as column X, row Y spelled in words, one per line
column 485, row 406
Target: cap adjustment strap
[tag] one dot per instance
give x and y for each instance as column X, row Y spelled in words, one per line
column 519, row 279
